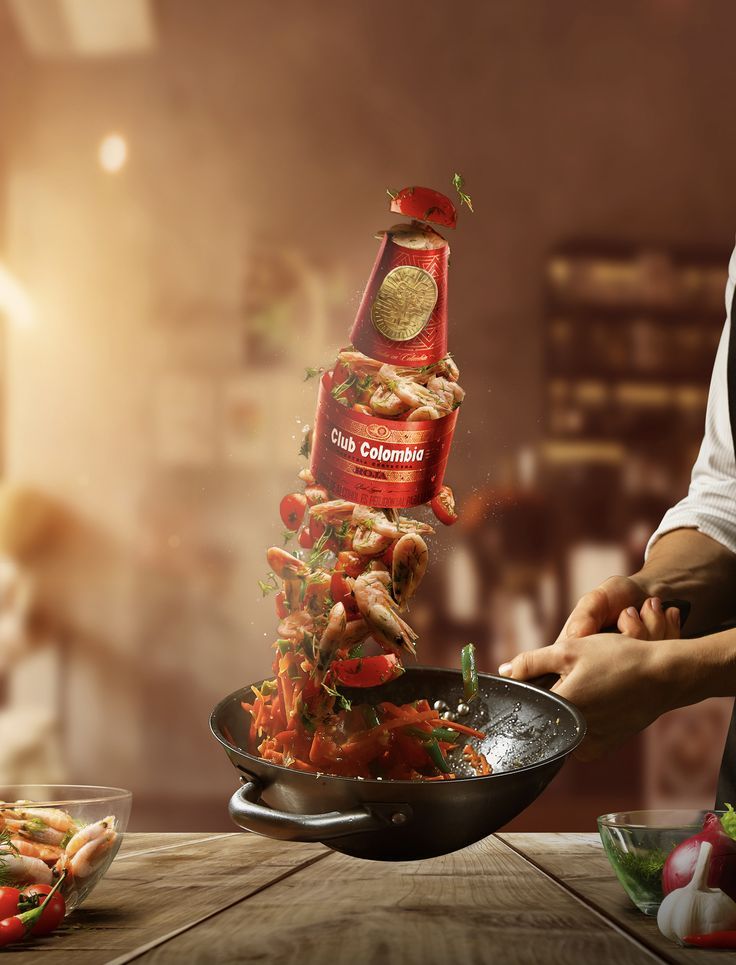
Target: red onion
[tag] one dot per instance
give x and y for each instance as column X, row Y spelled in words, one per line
column 680, row 865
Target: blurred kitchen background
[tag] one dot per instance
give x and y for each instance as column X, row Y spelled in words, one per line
column 188, row 197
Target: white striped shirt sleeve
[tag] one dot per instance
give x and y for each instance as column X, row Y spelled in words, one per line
column 710, row 505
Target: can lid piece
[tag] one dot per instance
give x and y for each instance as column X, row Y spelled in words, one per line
column 425, row 204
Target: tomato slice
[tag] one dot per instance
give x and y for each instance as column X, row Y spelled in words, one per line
column 443, row 506
column 367, row 671
column 292, row 510
column 305, row 539
column 282, row 610
column 341, row 593
column 350, row 563
column 425, row 204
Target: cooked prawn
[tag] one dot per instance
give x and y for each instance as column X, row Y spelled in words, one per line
column 372, row 596
column 25, row 870
column 48, row 853
column 284, row 564
column 408, row 566
column 330, row 640
column 88, row 849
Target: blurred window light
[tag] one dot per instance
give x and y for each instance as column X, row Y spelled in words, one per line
column 113, row 153
column 15, row 302
column 85, row 28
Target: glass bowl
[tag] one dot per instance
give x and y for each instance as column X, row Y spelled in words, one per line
column 638, row 843
column 46, row 829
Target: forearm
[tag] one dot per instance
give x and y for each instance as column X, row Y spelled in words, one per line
column 689, row 565
column 699, row 668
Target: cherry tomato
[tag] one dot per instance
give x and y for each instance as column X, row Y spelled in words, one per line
column 425, row 204
column 11, row 930
column 443, row 506
column 305, row 539
column 53, row 914
column 282, row 610
column 9, row 898
column 316, row 494
column 292, row 510
column 367, row 671
column 341, row 593
column 350, row 563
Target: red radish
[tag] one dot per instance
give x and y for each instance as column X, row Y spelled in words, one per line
column 425, row 204
column 680, row 865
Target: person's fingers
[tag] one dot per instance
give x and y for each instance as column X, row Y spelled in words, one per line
column 673, row 630
column 600, row 607
column 652, row 616
column 534, row 663
column 589, row 615
column 629, row 623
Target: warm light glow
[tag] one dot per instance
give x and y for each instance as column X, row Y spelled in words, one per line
column 113, row 153
column 14, row 300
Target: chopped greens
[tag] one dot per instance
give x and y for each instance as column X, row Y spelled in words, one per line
column 340, row 698
column 310, row 372
column 729, row 821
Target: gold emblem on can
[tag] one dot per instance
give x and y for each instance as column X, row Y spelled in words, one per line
column 404, row 302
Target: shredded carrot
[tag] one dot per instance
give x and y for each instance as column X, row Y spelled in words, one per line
column 453, row 724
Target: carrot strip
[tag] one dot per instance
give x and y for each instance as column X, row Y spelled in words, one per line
column 441, row 722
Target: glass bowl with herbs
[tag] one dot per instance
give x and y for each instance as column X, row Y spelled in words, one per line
column 57, row 831
column 652, row 852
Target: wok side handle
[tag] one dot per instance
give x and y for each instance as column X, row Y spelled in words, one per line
column 248, row 813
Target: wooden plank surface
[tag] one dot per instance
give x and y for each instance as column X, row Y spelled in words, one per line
column 160, row 883
column 483, row 904
column 579, row 863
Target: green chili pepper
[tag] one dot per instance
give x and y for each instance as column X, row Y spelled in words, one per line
column 438, row 733
column 438, row 758
column 470, row 673
column 371, row 716
column 357, row 651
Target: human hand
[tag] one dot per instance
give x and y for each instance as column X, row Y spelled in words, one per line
column 602, row 606
column 651, row 622
column 620, row 683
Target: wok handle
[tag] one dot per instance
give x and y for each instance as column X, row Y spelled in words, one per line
column 547, row 681
column 248, row 813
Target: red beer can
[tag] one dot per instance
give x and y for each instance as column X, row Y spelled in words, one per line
column 402, row 318
column 378, row 462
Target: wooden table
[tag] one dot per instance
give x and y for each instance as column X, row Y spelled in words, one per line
column 512, row 898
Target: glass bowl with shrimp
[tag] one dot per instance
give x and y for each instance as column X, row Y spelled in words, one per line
column 52, row 830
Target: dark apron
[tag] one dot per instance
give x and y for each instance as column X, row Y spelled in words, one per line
column 727, row 777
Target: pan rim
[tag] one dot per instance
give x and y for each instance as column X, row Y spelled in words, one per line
column 576, row 714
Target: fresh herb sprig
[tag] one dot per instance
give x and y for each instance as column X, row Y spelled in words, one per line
column 458, row 183
column 268, row 585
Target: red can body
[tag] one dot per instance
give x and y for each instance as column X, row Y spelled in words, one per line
column 378, row 462
column 410, row 300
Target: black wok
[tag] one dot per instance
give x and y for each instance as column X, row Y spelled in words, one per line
column 530, row 733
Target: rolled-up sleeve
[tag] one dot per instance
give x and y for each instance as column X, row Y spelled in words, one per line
column 710, row 505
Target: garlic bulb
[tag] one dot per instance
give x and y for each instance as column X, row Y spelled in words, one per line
column 696, row 909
